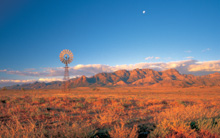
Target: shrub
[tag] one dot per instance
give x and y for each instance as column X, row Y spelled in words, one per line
column 4, row 88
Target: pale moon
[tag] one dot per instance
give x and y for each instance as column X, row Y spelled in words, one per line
column 144, row 12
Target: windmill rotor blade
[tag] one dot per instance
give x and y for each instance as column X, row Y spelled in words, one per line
column 70, row 56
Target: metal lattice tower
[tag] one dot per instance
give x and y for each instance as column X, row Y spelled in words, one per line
column 66, row 57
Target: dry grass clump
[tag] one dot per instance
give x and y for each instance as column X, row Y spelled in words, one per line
column 187, row 121
column 15, row 128
column 121, row 131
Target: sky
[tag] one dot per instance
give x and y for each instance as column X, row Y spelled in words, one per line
column 105, row 36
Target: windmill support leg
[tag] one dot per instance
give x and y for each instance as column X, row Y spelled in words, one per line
column 66, row 83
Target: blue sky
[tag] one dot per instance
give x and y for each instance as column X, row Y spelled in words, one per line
column 109, row 33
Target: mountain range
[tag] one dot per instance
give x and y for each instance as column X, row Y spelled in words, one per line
column 136, row 77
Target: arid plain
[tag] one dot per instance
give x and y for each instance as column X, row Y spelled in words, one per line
column 117, row 112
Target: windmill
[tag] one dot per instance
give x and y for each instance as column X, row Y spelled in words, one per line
column 66, row 57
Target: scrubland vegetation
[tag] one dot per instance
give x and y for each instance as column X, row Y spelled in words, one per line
column 111, row 112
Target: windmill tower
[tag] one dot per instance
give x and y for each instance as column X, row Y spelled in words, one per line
column 66, row 57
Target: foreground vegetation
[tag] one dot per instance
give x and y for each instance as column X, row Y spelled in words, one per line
column 111, row 112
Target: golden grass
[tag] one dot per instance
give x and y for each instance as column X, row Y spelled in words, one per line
column 126, row 112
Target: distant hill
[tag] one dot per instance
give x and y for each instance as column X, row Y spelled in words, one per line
column 136, row 77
